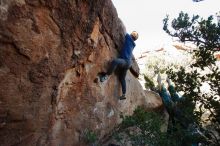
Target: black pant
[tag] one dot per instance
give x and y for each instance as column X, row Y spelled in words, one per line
column 123, row 66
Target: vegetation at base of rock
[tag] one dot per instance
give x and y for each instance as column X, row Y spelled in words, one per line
column 140, row 128
column 205, row 34
column 90, row 137
column 144, row 128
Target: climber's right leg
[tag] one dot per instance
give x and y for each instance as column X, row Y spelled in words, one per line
column 114, row 64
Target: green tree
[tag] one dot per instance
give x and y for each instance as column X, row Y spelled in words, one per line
column 145, row 128
column 205, row 35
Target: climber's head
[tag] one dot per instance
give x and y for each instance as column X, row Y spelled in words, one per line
column 134, row 35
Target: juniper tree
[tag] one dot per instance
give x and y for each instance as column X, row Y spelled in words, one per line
column 205, row 35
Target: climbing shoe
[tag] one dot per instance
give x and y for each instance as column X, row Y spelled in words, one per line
column 103, row 78
column 122, row 97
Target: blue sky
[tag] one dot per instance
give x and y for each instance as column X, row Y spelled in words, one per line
column 146, row 17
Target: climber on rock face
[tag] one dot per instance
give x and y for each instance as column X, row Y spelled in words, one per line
column 123, row 63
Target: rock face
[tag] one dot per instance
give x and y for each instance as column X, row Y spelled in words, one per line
column 50, row 55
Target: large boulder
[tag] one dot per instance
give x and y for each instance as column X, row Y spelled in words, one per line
column 50, row 55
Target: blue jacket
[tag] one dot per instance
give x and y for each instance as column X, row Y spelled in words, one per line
column 126, row 52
